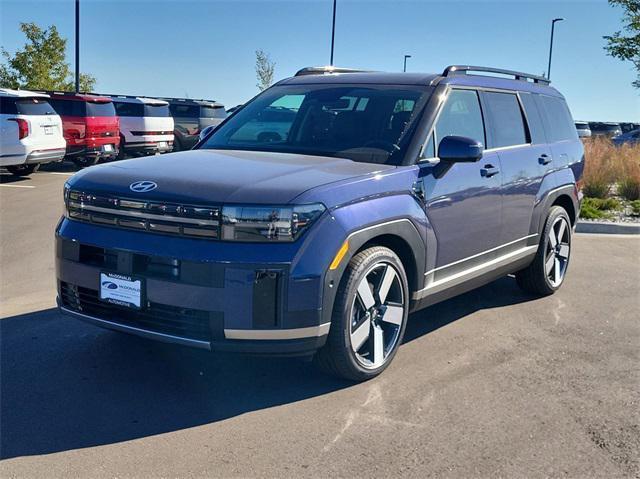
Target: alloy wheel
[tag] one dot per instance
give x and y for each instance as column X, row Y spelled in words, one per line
column 557, row 254
column 377, row 313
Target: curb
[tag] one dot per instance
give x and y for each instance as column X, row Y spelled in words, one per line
column 606, row 227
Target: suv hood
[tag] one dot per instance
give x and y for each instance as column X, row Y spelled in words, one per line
column 217, row 176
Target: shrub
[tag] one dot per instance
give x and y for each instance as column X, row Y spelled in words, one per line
column 600, row 204
column 606, row 164
column 629, row 188
column 588, row 212
column 635, row 207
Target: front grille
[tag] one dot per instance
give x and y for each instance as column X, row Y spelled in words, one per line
column 153, row 216
column 182, row 322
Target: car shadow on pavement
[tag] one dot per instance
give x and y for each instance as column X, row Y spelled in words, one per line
column 67, row 385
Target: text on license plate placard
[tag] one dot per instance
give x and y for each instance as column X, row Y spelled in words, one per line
column 121, row 290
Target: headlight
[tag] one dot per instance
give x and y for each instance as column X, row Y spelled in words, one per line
column 268, row 223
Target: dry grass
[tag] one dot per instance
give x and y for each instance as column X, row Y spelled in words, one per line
column 607, row 165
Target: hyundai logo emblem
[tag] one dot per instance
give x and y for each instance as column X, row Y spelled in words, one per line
column 142, row 186
column 109, row 285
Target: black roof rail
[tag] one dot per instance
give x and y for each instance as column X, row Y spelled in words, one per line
column 170, row 98
column 464, row 69
column 327, row 70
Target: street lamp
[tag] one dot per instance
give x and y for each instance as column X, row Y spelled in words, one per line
column 553, row 25
column 77, row 46
column 404, row 69
column 333, row 31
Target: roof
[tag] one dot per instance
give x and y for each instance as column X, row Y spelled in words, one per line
column 193, row 101
column 137, row 99
column 453, row 75
column 7, row 92
column 78, row 96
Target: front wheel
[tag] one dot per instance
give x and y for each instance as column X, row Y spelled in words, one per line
column 22, row 170
column 369, row 316
column 546, row 273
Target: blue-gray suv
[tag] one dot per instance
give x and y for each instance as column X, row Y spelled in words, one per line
column 314, row 219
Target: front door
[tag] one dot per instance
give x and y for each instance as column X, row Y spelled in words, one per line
column 463, row 201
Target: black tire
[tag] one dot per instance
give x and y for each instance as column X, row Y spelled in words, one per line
column 85, row 161
column 535, row 278
column 337, row 357
column 177, row 145
column 121, row 152
column 22, row 170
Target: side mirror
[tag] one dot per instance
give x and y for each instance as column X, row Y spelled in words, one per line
column 459, row 149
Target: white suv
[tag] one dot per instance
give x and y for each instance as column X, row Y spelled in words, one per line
column 30, row 131
column 146, row 126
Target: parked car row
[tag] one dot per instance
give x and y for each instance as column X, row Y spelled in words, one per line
column 46, row 126
column 587, row 129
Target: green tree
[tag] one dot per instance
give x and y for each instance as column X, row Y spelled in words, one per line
column 625, row 44
column 265, row 69
column 41, row 64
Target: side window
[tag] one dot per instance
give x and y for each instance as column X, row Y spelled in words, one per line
column 68, row 107
column 461, row 115
column 429, row 150
column 507, row 124
column 534, row 118
column 128, row 109
column 558, row 119
column 8, row 106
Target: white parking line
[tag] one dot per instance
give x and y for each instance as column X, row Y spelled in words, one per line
column 60, row 173
column 17, row 186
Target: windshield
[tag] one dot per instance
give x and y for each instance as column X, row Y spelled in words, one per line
column 367, row 123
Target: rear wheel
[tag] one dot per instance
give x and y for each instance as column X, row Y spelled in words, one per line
column 22, row 170
column 369, row 316
column 121, row 153
column 177, row 146
column 546, row 273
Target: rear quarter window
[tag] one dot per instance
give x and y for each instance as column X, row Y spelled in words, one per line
column 505, row 120
column 534, row 118
column 557, row 118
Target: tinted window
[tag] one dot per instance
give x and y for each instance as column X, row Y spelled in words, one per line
column 100, row 109
column 156, row 110
column 8, row 106
column 33, row 106
column 68, row 107
column 559, row 123
column 507, row 126
column 461, row 116
column 358, row 122
column 184, row 111
column 212, row 112
column 534, row 118
column 128, row 109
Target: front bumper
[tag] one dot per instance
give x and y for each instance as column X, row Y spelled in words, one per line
column 210, row 296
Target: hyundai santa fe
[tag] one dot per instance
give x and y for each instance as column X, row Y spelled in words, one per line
column 316, row 232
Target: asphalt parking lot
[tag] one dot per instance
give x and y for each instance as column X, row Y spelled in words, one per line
column 493, row 383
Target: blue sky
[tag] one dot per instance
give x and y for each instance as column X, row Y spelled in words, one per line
column 205, row 49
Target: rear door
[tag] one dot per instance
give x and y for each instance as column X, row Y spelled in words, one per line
column 515, row 135
column 566, row 147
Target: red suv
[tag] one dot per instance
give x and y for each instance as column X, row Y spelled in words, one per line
column 90, row 124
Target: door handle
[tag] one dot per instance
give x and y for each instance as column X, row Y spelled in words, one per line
column 545, row 159
column 488, row 171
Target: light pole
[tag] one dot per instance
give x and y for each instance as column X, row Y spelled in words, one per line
column 404, row 68
column 333, row 31
column 77, row 46
column 553, row 26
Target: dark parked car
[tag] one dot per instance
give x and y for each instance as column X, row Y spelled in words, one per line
column 190, row 117
column 629, row 138
column 604, row 129
column 383, row 193
column 627, row 127
column 583, row 129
